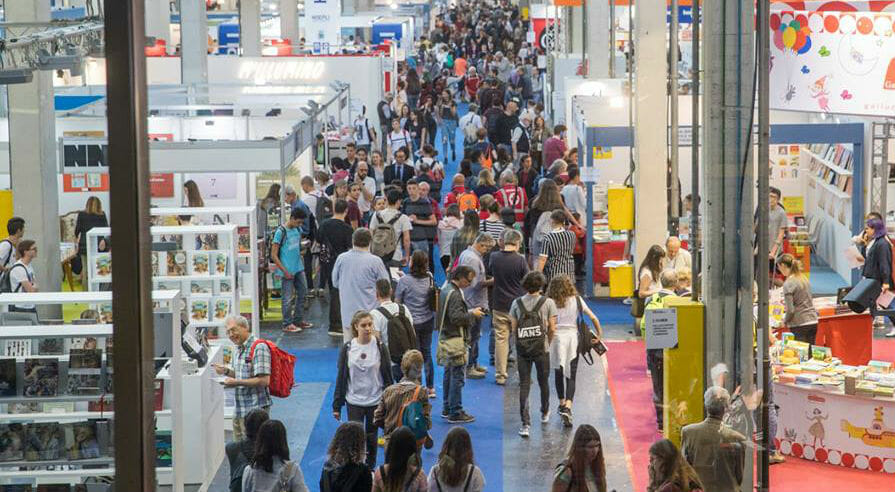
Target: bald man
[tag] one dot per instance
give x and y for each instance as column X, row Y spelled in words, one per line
column 677, row 258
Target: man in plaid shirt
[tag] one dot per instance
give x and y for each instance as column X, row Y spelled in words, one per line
column 250, row 376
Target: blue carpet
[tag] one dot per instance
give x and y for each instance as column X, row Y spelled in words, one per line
column 611, row 311
column 482, row 398
column 824, row 280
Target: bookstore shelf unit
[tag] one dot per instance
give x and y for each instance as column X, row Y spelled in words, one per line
column 206, row 275
column 66, row 369
column 248, row 250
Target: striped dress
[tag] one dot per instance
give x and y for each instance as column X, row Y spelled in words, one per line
column 558, row 246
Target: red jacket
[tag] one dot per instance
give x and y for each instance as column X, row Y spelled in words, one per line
column 514, row 197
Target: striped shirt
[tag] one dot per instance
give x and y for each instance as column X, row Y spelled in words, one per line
column 557, row 246
column 493, row 228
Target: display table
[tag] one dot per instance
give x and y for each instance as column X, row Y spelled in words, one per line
column 603, row 252
column 849, row 335
column 830, row 427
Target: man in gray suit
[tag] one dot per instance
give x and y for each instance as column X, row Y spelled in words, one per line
column 715, row 451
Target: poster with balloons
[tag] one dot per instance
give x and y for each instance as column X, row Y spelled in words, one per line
column 833, row 62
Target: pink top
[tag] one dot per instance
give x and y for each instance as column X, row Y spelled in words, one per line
column 554, row 148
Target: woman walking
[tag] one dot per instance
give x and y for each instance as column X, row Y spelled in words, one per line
column 537, row 221
column 557, row 249
column 584, row 469
column 403, row 470
column 417, row 291
column 364, row 372
column 446, row 114
column 344, row 469
column 456, row 470
column 466, row 235
column 270, row 469
column 564, row 347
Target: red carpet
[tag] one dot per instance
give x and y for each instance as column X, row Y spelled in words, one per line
column 631, row 392
column 632, row 399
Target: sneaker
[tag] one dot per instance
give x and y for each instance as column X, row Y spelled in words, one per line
column 444, row 414
column 471, row 373
column 380, row 441
column 776, row 458
column 304, row 325
column 481, row 369
column 334, row 333
column 891, row 333
column 500, row 381
column 461, row 418
column 545, row 417
column 566, row 417
column 291, row 329
column 525, row 431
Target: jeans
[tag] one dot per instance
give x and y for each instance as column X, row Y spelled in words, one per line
column 384, row 130
column 335, row 310
column 449, row 137
column 364, row 415
column 413, row 101
column 500, row 326
column 565, row 387
column 239, row 430
column 424, row 338
column 397, row 373
column 294, row 292
column 542, row 366
column 655, row 361
column 419, row 245
column 454, row 379
column 324, row 278
column 475, row 334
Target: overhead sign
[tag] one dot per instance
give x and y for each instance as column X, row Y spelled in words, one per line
column 833, row 62
column 661, row 328
column 323, row 31
column 83, row 156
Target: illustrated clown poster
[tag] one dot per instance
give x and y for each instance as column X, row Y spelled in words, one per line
column 833, row 62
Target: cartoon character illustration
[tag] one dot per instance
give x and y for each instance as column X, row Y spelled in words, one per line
column 845, row 94
column 824, row 51
column 819, row 91
column 817, row 428
column 877, row 435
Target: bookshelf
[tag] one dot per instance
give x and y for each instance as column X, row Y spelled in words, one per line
column 832, row 178
column 54, row 367
column 202, row 264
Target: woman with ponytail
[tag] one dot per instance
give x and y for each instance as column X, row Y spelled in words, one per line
column 800, row 317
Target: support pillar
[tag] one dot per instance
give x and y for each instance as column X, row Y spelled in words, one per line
column 289, row 21
column 650, row 132
column 576, row 30
column 250, row 27
column 597, row 42
column 729, row 180
column 193, row 43
column 32, row 156
column 158, row 20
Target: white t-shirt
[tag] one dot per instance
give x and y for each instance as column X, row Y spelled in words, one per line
column 362, row 131
column 398, row 140
column 380, row 323
column 365, row 383
column 401, row 225
column 16, row 275
column 7, row 253
column 575, row 199
column 362, row 203
column 310, row 199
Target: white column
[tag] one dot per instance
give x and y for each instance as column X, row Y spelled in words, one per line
column 32, row 156
column 576, row 29
column 289, row 21
column 250, row 27
column 597, row 34
column 158, row 20
column 194, row 43
column 650, row 135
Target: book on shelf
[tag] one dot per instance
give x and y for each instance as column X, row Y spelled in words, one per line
column 207, row 241
column 84, row 359
column 104, row 436
column 23, row 407
column 244, row 240
column 8, row 385
column 154, row 258
column 221, row 261
column 163, row 456
column 16, row 487
column 102, row 266
column 222, row 307
column 83, row 443
column 201, row 287
column 225, row 286
column 85, row 384
column 51, row 346
column 12, row 442
column 44, row 441
column 17, row 348
column 176, row 263
column 58, row 407
column 158, row 387
column 199, row 263
column 85, row 371
column 169, row 285
column 105, row 313
column 41, row 377
column 199, row 307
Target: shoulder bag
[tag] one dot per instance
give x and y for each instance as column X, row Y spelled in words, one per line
column 638, row 305
column 450, row 351
column 434, row 294
column 585, row 336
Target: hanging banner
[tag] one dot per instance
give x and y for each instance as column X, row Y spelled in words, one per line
column 568, row 3
column 833, row 62
column 323, row 31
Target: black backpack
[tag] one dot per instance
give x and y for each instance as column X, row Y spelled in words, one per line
column 530, row 332
column 324, row 208
column 6, row 284
column 401, row 335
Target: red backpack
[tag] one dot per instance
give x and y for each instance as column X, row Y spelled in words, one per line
column 282, row 369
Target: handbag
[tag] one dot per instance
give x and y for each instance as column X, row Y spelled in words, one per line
column 585, row 336
column 450, row 351
column 434, row 293
column 638, row 305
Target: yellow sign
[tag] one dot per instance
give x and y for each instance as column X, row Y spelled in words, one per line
column 568, row 3
column 602, row 152
column 794, row 204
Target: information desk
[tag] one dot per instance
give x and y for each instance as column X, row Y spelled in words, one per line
column 831, row 427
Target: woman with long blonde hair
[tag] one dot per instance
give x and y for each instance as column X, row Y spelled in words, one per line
column 92, row 216
column 799, row 314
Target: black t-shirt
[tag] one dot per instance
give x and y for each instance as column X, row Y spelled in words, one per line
column 337, row 234
column 84, row 223
column 507, row 269
column 504, row 128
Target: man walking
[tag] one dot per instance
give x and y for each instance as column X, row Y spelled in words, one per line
column 335, row 239
column 476, row 295
column 354, row 275
column 250, row 374
column 386, row 114
column 554, row 147
column 419, row 209
column 455, row 319
column 715, row 450
column 533, row 318
column 507, row 267
column 573, row 193
column 286, row 254
column 391, row 315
